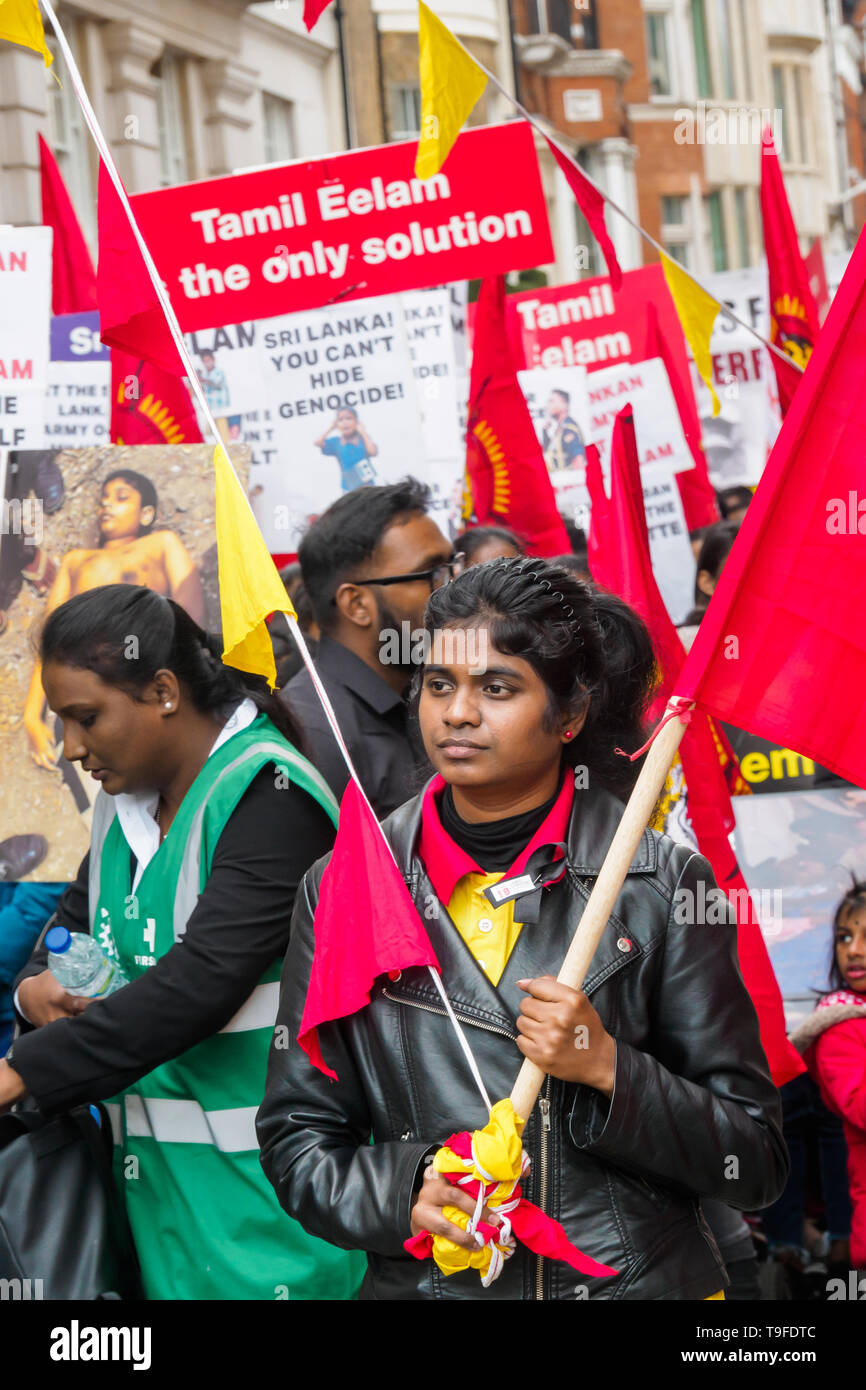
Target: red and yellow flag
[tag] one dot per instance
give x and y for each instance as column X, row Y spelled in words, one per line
column 793, row 315
column 505, row 469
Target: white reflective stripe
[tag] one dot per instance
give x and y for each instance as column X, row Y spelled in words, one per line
column 184, row 1122
column 259, row 1011
column 115, row 1116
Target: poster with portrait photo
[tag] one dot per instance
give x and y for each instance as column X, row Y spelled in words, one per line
column 78, row 519
column 798, row 852
column 331, row 398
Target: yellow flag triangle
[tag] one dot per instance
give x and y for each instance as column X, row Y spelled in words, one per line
column 250, row 587
column 697, row 312
column 451, row 83
column 21, row 22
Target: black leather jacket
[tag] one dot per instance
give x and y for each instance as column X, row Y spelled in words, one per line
column 693, row 1113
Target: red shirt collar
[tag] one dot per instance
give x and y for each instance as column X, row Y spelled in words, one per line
column 446, row 862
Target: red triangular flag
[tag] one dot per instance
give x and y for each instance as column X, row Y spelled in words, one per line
column 624, row 565
column 817, row 273
column 793, row 315
column 366, row 925
column 598, row 536
column 73, row 279
column 781, row 650
column 505, row 468
column 130, row 315
column 627, row 570
column 148, row 405
column 313, row 11
column 591, row 204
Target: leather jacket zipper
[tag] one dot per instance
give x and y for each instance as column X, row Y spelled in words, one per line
column 461, row 1018
column 544, row 1107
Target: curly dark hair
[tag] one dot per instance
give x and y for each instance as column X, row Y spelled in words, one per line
column 93, row 631
column 587, row 646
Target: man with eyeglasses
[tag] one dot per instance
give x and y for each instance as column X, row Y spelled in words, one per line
column 369, row 565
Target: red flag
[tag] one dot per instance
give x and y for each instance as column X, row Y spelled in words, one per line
column 624, row 565
column 598, row 535
column 313, row 11
column 130, row 315
column 148, row 405
column 73, row 279
column 366, row 925
column 506, row 473
column 591, row 204
column 696, row 491
column 781, row 650
column 627, row 570
column 793, row 316
column 817, row 273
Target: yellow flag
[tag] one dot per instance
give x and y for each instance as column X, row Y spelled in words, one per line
column 250, row 586
column 21, row 22
column 451, row 83
column 697, row 312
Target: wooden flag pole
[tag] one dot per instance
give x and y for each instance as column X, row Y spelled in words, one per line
column 584, row 944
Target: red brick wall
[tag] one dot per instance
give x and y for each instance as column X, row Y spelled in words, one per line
column 621, row 25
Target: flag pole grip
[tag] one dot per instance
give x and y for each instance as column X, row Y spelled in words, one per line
column 584, row 943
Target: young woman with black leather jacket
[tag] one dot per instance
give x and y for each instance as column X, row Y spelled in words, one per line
column 666, row 1097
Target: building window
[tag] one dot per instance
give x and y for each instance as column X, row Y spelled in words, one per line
column 800, row 83
column 742, row 218
column 171, row 118
column 405, row 112
column 792, row 94
column 726, row 48
column 779, row 103
column 659, row 54
column 549, row 17
column 745, row 48
column 721, row 38
column 702, row 51
column 718, row 240
column 278, row 122
column 676, row 237
column 68, row 136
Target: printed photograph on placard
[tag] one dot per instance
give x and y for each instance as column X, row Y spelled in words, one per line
column 798, row 853
column 328, row 401
column 81, row 518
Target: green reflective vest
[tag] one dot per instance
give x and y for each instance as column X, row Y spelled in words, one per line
column 206, row 1221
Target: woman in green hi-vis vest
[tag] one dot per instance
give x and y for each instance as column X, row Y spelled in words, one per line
column 207, row 819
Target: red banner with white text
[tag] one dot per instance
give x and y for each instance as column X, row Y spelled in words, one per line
column 302, row 235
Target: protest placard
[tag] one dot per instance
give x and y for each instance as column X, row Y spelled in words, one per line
column 77, row 407
column 315, row 232
column 25, row 309
column 797, row 852
column 429, row 333
column 557, row 402
column 327, row 401
column 101, row 516
column 738, row 440
column 658, row 428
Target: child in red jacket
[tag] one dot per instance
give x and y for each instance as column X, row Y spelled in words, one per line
column 833, row 1043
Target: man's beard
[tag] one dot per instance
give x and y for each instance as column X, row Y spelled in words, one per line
column 388, row 621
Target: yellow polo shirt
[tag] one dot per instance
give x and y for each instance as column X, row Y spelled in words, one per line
column 489, row 932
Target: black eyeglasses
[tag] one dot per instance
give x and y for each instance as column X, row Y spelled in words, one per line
column 436, row 577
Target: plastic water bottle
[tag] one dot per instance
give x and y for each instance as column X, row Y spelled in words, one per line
column 79, row 964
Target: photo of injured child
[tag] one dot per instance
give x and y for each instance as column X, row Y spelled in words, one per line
column 128, row 516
